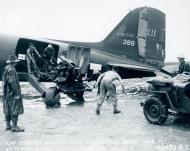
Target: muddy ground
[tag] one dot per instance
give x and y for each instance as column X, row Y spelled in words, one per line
column 77, row 127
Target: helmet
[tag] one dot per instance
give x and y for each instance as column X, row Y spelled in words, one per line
column 12, row 58
column 50, row 45
column 181, row 56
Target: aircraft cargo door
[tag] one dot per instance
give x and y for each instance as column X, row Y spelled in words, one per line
column 80, row 57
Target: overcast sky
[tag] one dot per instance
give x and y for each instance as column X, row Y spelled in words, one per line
column 92, row 20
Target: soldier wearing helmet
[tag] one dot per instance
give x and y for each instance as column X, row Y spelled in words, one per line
column 49, row 54
column 12, row 99
column 31, row 58
column 183, row 66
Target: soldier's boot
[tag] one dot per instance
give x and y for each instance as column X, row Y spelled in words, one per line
column 98, row 109
column 16, row 128
column 8, row 125
column 115, row 110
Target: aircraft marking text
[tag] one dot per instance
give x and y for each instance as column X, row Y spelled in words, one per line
column 128, row 42
column 151, row 33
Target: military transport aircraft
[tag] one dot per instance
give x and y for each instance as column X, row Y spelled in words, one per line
column 136, row 45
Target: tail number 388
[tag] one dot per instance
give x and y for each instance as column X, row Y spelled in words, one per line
column 128, row 42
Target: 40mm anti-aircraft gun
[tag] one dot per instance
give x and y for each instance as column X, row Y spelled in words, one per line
column 67, row 74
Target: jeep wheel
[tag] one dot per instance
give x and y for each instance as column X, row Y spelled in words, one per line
column 155, row 111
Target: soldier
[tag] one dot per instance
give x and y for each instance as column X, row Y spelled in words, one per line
column 108, row 90
column 183, row 66
column 12, row 100
column 94, row 76
column 30, row 58
column 49, row 54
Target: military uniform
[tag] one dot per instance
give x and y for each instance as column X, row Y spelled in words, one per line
column 183, row 67
column 49, row 54
column 12, row 100
column 30, row 59
column 108, row 89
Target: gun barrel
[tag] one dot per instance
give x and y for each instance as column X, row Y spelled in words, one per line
column 67, row 61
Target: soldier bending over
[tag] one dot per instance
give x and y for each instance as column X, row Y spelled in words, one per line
column 108, row 90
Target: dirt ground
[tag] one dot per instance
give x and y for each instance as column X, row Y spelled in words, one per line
column 77, row 127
